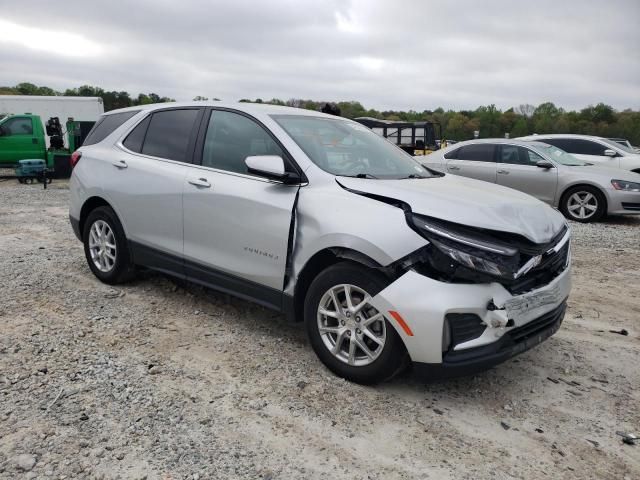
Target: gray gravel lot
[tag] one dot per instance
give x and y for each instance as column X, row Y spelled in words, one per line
column 156, row 379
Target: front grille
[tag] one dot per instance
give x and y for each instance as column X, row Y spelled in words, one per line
column 549, row 268
column 631, row 206
column 464, row 327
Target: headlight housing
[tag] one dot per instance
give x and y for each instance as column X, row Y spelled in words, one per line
column 472, row 250
column 625, row 185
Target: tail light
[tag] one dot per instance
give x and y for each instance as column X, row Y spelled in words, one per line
column 75, row 158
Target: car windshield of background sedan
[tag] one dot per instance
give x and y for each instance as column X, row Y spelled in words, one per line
column 348, row 149
column 560, row 156
column 618, row 145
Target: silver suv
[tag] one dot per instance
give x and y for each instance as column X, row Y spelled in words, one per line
column 318, row 217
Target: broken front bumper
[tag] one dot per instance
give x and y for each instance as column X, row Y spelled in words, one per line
column 510, row 323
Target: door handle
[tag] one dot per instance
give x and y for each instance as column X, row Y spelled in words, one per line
column 121, row 164
column 504, row 172
column 453, row 167
column 200, row 182
column 34, row 141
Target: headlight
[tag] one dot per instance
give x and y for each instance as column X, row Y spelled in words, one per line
column 472, row 250
column 625, row 185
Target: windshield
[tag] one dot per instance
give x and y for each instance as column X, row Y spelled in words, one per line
column 349, row 149
column 559, row 156
column 617, row 145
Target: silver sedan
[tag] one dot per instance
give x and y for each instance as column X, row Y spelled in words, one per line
column 581, row 191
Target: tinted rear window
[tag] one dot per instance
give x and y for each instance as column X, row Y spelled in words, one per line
column 106, row 125
column 481, row 152
column 169, row 133
column 453, row 154
column 134, row 140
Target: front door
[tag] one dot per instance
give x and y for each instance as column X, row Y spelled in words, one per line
column 517, row 169
column 19, row 141
column 236, row 225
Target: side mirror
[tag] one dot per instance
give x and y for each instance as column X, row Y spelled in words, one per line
column 270, row 166
column 610, row 153
column 546, row 164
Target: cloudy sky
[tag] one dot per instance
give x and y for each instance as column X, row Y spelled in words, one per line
column 404, row 54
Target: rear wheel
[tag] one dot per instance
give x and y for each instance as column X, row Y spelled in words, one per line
column 349, row 335
column 583, row 204
column 105, row 247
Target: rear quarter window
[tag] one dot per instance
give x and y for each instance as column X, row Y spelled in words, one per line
column 106, row 125
column 452, row 155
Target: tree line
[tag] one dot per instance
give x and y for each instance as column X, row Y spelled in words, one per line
column 489, row 121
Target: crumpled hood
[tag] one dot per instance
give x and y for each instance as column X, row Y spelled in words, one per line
column 469, row 202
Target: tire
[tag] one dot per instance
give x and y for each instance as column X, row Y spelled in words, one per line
column 583, row 204
column 114, row 265
column 386, row 360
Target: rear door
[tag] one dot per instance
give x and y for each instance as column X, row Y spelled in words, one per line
column 145, row 184
column 517, row 169
column 20, row 141
column 236, row 225
column 474, row 160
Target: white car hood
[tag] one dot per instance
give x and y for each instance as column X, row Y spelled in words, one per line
column 469, row 202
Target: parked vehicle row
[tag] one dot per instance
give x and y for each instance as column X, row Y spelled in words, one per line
column 582, row 191
column 316, row 216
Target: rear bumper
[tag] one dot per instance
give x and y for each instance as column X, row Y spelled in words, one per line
column 514, row 342
column 75, row 224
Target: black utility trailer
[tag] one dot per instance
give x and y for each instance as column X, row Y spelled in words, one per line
column 416, row 138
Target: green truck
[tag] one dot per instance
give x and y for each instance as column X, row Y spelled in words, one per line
column 24, row 137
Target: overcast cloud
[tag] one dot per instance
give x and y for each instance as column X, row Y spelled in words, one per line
column 387, row 54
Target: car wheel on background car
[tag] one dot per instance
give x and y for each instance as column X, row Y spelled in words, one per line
column 583, row 204
column 351, row 337
column 105, row 246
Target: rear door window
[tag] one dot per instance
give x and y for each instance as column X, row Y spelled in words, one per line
column 481, row 152
column 169, row 134
column 106, row 125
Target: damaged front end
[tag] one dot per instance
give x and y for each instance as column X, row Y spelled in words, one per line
column 495, row 293
column 459, row 254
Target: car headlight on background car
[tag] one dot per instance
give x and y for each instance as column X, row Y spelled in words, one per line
column 473, row 251
column 626, row 185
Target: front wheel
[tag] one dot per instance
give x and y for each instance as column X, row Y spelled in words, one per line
column 583, row 204
column 349, row 335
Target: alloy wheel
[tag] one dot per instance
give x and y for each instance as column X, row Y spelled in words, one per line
column 102, row 246
column 350, row 327
column 582, row 205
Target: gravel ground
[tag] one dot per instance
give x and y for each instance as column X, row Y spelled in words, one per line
column 162, row 380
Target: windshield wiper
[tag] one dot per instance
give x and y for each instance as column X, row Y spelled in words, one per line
column 361, row 175
column 413, row 175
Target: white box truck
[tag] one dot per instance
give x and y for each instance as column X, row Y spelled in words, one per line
column 86, row 109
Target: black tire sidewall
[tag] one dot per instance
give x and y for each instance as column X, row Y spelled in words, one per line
column 393, row 356
column 122, row 268
column 600, row 211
